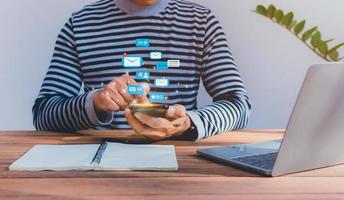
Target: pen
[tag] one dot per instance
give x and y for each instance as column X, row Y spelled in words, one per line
column 98, row 157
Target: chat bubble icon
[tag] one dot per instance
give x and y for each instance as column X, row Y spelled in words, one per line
column 161, row 66
column 135, row 90
column 143, row 43
column 156, row 97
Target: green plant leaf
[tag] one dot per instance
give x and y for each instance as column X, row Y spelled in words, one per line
column 299, row 27
column 271, row 11
column 328, row 41
column 292, row 25
column 279, row 14
column 288, row 19
column 334, row 55
column 261, row 10
column 308, row 34
column 335, row 48
column 323, row 48
column 316, row 39
column 317, row 44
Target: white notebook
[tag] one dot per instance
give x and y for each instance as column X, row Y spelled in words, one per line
column 107, row 156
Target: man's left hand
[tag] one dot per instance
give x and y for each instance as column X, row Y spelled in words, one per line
column 175, row 123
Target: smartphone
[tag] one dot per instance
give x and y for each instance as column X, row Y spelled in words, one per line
column 155, row 110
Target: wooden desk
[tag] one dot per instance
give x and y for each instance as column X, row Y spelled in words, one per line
column 196, row 179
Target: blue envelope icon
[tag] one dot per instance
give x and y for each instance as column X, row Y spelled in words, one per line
column 155, row 55
column 132, row 61
column 161, row 82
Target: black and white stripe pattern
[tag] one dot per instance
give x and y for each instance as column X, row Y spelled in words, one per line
column 90, row 48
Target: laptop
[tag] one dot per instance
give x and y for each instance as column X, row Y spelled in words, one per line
column 314, row 137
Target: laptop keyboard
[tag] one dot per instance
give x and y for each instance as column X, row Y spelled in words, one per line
column 264, row 161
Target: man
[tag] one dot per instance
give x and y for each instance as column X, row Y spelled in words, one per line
column 94, row 45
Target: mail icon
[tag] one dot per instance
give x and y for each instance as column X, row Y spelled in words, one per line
column 132, row 61
column 163, row 82
column 155, row 55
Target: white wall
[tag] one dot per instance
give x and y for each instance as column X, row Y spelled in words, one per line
column 271, row 60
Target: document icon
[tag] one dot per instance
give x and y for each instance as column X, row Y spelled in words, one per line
column 173, row 63
column 162, row 82
column 135, row 90
column 161, row 66
column 155, row 55
column 132, row 61
column 143, row 43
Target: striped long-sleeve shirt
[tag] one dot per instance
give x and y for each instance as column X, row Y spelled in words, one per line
column 89, row 51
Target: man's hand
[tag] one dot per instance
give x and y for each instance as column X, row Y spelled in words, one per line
column 175, row 123
column 114, row 96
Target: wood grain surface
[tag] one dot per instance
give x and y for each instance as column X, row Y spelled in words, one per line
column 197, row 178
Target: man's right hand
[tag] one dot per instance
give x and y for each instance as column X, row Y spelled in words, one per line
column 114, row 96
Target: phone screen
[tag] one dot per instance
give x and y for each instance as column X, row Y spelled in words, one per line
column 155, row 110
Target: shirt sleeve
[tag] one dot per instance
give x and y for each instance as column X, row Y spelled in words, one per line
column 59, row 105
column 231, row 106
